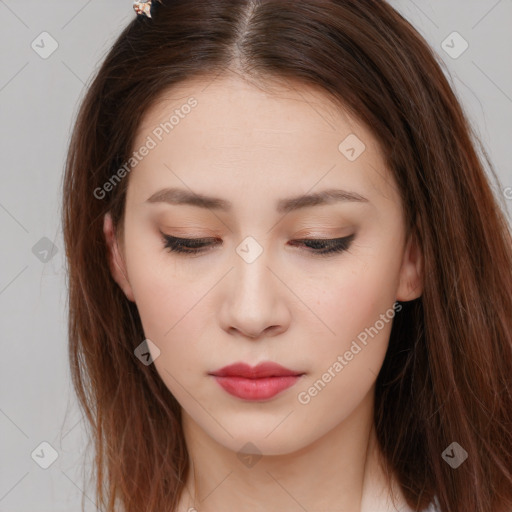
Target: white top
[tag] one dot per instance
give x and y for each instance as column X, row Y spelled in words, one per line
column 433, row 507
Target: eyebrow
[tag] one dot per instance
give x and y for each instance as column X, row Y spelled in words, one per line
column 176, row 196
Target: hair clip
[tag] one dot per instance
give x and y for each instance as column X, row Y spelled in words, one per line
column 143, row 7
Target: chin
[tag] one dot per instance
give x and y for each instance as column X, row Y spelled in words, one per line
column 271, row 437
column 260, row 445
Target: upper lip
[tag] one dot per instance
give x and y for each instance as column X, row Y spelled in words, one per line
column 267, row 369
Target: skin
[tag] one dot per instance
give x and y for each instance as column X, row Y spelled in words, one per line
column 290, row 305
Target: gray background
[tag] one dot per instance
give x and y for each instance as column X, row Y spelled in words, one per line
column 38, row 103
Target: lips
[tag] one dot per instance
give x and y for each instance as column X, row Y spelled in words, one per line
column 256, row 372
column 261, row 382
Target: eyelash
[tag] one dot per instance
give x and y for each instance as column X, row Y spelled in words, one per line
column 328, row 247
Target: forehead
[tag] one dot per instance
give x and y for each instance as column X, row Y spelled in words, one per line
column 232, row 102
column 221, row 134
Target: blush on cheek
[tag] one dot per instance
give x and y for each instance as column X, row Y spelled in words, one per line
column 345, row 302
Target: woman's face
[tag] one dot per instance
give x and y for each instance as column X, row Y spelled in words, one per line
column 257, row 292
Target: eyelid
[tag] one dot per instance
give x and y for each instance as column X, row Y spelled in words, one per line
column 191, row 240
column 307, row 237
column 193, row 247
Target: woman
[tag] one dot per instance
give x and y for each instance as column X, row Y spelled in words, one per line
column 290, row 282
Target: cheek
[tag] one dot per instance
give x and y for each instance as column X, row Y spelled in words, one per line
column 171, row 314
column 354, row 297
column 167, row 299
column 356, row 304
column 358, row 307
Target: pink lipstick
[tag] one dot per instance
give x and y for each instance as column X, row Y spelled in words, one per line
column 261, row 382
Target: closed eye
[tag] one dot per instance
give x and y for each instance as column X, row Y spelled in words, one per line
column 316, row 246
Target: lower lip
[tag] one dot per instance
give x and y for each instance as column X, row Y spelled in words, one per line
column 256, row 389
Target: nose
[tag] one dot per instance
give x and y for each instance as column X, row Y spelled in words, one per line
column 254, row 301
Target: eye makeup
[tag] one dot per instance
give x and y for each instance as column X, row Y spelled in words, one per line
column 315, row 246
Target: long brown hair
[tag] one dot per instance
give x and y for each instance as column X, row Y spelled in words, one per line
column 447, row 376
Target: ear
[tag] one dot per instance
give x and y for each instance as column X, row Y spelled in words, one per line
column 116, row 259
column 411, row 279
